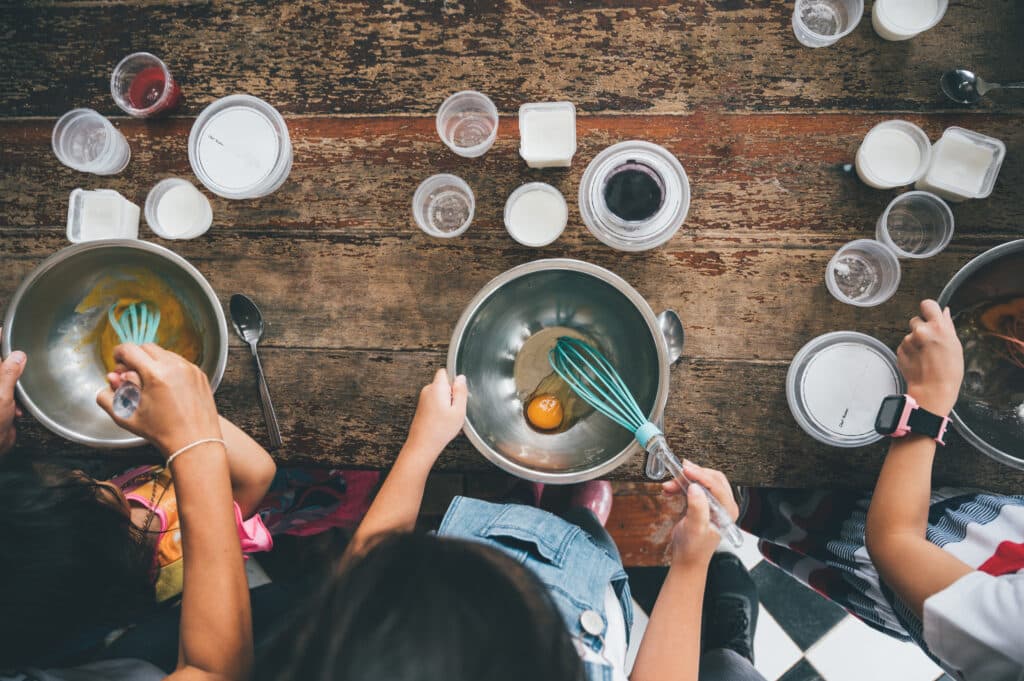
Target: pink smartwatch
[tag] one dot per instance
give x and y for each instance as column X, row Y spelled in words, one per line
column 900, row 415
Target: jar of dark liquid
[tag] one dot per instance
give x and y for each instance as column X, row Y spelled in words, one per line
column 634, row 196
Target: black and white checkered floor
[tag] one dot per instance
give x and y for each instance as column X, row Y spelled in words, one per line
column 804, row 637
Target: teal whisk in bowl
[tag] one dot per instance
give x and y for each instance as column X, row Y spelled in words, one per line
column 595, row 380
column 137, row 324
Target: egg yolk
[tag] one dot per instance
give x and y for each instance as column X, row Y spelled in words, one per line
column 545, row 412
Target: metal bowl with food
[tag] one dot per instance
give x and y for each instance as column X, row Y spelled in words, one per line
column 986, row 299
column 58, row 316
column 501, row 344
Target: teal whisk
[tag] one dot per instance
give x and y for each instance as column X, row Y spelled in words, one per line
column 595, row 380
column 138, row 324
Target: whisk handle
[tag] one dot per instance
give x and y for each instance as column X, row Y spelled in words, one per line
column 720, row 518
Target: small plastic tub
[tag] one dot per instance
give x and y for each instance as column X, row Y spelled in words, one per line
column 916, row 225
column 903, row 19
column 964, row 165
column 547, row 134
column 443, row 206
column 175, row 209
column 467, row 122
column 95, row 214
column 835, row 385
column 864, row 273
column 893, row 154
column 536, row 214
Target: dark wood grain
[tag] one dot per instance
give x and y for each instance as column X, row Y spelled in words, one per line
column 352, row 408
column 314, row 57
column 360, row 304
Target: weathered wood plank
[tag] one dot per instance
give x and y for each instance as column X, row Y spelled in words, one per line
column 405, row 57
column 776, row 178
column 352, row 408
column 740, row 301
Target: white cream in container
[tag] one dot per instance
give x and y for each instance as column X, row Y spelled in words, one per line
column 904, row 19
column 965, row 165
column 101, row 214
column 893, row 154
column 547, row 134
column 536, row 214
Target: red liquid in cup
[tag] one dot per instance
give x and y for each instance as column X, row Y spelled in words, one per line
column 148, row 86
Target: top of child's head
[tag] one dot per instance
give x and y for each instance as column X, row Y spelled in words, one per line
column 420, row 607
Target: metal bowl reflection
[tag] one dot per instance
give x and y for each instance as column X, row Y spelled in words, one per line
column 64, row 370
column 518, row 308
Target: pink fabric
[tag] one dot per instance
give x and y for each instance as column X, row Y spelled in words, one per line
column 254, row 535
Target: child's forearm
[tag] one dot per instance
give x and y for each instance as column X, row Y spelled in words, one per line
column 397, row 504
column 897, row 523
column 251, row 466
column 671, row 645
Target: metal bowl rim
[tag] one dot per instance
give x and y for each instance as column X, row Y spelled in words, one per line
column 69, row 252
column 966, row 272
column 620, row 284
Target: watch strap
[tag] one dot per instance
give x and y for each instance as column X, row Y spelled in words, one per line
column 924, row 422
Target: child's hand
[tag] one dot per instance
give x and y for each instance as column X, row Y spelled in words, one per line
column 439, row 415
column 694, row 538
column 932, row 360
column 177, row 406
column 10, row 372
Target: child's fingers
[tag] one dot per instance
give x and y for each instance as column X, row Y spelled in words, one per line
column 441, row 377
column 715, row 481
column 671, row 487
column 10, row 372
column 697, row 508
column 930, row 310
column 460, row 393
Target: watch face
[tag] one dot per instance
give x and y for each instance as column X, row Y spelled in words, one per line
column 889, row 414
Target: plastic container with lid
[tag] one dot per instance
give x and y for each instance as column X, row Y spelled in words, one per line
column 904, row 19
column 239, row 148
column 547, row 134
column 634, row 196
column 175, row 209
column 536, row 214
column 835, row 386
column 964, row 165
column 893, row 154
column 95, row 214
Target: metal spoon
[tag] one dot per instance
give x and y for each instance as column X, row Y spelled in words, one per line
column 248, row 323
column 964, row 87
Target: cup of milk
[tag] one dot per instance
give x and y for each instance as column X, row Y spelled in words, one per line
column 536, row 214
column 904, row 19
column 893, row 154
column 175, row 209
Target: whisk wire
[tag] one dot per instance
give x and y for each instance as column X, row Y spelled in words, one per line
column 592, row 376
column 138, row 323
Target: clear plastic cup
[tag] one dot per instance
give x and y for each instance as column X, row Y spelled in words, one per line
column 175, row 209
column 819, row 23
column 893, row 154
column 915, row 225
column 86, row 141
column 864, row 273
column 443, row 206
column 142, row 85
column 467, row 123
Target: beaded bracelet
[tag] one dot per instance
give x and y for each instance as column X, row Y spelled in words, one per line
column 194, row 444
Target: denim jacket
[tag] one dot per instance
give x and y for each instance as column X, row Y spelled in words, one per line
column 575, row 570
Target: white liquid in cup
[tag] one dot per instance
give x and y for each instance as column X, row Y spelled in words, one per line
column 177, row 210
column 893, row 154
column 904, row 19
column 964, row 165
column 536, row 214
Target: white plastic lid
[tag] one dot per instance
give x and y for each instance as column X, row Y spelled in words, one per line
column 836, row 383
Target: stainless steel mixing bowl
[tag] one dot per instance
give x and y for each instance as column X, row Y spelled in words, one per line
column 994, row 274
column 64, row 371
column 515, row 307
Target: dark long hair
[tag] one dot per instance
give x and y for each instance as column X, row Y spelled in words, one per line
column 70, row 561
column 425, row 608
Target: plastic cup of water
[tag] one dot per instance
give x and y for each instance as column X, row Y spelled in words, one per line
column 467, row 123
column 915, row 225
column 443, row 206
column 86, row 141
column 819, row 23
column 864, row 273
column 142, row 85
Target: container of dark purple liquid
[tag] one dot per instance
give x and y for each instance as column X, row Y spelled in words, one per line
column 634, row 196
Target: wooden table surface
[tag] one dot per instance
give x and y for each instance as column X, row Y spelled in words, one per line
column 360, row 304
